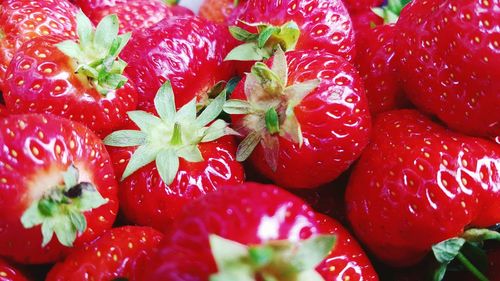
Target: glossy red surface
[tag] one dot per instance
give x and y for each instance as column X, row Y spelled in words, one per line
column 146, row 200
column 114, row 254
column 450, row 63
column 324, row 24
column 9, row 273
column 22, row 20
column 334, row 120
column 42, row 80
column 37, row 150
column 188, row 51
column 418, row 184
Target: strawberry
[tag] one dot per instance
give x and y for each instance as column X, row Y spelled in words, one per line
column 263, row 25
column 218, row 10
column 134, row 15
column 22, row 20
column 82, row 81
column 3, row 111
column 282, row 240
column 376, row 61
column 10, row 273
column 113, row 255
column 55, row 177
column 172, row 159
column 305, row 119
column 449, row 62
column 188, row 51
column 418, row 184
column 357, row 6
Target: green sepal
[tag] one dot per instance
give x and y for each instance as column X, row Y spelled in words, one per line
column 390, row 12
column 247, row 52
column 172, row 135
column 59, row 213
column 247, row 146
column 96, row 53
column 171, row 2
column 272, row 121
column 237, row 107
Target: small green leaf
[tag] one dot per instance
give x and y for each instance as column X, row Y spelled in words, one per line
column 145, row 121
column 271, row 146
column 272, row 121
column 165, row 102
column 216, row 130
column 142, row 156
column 447, row 250
column 65, row 231
column 71, row 49
column 280, row 67
column 187, row 113
column 71, row 177
column 237, row 107
column 231, row 85
column 78, row 220
column 241, row 34
column 313, row 251
column 254, row 91
column 106, row 32
column 190, row 153
column 260, row 256
column 87, row 71
column 243, row 273
column 167, row 163
column 290, row 129
column 310, row 275
column 225, row 251
column 480, row 234
column 270, row 81
column 85, row 30
column 113, row 81
column 212, row 111
column 265, row 35
column 298, row 92
column 125, row 138
column 32, row 216
column 247, row 52
column 246, row 147
column 89, row 199
column 123, row 41
column 47, row 232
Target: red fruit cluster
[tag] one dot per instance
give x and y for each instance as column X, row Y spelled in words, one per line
column 142, row 142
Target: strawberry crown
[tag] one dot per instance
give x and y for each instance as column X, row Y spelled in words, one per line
column 282, row 260
column 262, row 45
column 172, row 135
column 269, row 108
column 60, row 211
column 390, row 12
column 96, row 52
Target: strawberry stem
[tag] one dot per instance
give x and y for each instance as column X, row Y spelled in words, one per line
column 176, row 135
column 272, row 121
column 470, row 267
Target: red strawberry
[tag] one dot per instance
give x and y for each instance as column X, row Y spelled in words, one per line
column 249, row 232
column 418, row 184
column 55, row 177
column 365, row 20
column 172, row 159
column 188, row 51
column 113, row 255
column 9, row 273
column 218, row 10
column 3, row 111
column 22, row 20
column 307, row 117
column 302, row 25
column 83, row 82
column 357, row 6
column 450, row 62
column 133, row 15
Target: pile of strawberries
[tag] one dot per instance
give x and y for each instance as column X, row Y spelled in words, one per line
column 267, row 140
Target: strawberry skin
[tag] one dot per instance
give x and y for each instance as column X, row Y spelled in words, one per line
column 323, row 24
column 265, row 213
column 39, row 148
column 418, row 184
column 9, row 273
column 218, row 10
column 134, row 15
column 449, row 62
column 3, row 111
column 334, row 122
column 376, row 63
column 188, row 51
column 359, row 6
column 113, row 255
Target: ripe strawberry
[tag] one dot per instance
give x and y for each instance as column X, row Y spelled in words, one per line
column 307, row 117
column 418, row 184
column 306, row 25
column 218, row 10
column 173, row 159
column 188, row 51
column 133, row 15
column 365, row 20
column 81, row 81
column 3, row 111
column 357, row 6
column 114, row 255
column 9, row 273
column 55, row 177
column 208, row 242
column 22, row 20
column 448, row 53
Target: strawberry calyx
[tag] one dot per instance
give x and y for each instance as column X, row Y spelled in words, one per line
column 262, row 44
column 390, row 12
column 61, row 209
column 96, row 53
column 269, row 108
column 170, row 135
column 455, row 249
column 171, row 2
column 281, row 260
